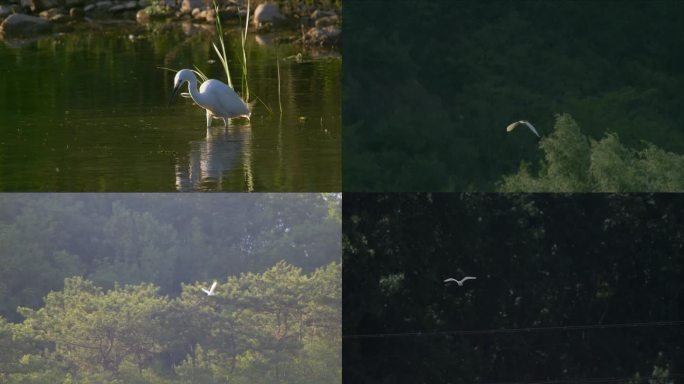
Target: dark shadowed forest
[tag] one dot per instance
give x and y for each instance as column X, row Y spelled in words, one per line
column 430, row 87
column 106, row 288
column 568, row 289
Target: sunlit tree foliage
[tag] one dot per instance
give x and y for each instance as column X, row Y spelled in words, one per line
column 279, row 326
column 575, row 163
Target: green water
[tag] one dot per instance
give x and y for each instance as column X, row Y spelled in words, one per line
column 87, row 111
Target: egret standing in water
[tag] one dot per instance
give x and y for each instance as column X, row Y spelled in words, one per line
column 524, row 122
column 217, row 98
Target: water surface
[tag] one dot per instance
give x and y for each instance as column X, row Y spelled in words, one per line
column 87, row 111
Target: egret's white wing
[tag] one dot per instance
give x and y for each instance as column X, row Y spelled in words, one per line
column 225, row 102
column 531, row 127
column 468, row 278
column 205, row 291
column 512, row 126
column 213, row 92
column 213, row 286
column 449, row 279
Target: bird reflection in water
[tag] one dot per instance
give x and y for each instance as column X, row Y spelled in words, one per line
column 211, row 160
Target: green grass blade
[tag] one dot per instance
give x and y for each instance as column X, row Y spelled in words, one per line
column 280, row 104
column 225, row 64
column 246, row 25
column 244, row 73
column 199, row 73
column 221, row 54
column 265, row 105
column 243, row 38
column 168, row 69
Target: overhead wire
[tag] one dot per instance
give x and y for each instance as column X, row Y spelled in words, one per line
column 601, row 380
column 516, row 330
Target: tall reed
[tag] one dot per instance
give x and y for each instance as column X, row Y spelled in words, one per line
column 223, row 56
column 245, row 84
column 222, row 53
column 280, row 104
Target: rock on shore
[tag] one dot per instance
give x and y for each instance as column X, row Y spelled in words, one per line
column 325, row 31
column 18, row 25
column 318, row 27
column 267, row 14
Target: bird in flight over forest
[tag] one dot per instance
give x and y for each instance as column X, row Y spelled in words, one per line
column 460, row 282
column 210, row 291
column 525, row 122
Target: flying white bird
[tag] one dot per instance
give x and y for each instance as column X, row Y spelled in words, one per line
column 210, row 291
column 217, row 98
column 525, row 122
column 460, row 282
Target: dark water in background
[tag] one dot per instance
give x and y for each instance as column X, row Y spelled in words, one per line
column 87, row 111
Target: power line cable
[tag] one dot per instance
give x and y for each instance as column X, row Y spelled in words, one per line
column 601, row 380
column 517, row 330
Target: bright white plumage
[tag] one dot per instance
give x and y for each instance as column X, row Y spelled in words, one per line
column 218, row 99
column 523, row 122
column 460, row 282
column 210, row 291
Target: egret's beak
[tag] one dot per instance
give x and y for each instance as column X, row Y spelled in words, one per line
column 175, row 91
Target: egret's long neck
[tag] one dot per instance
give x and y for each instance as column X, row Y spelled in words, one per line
column 192, row 88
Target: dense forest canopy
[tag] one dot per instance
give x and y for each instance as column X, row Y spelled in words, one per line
column 107, row 288
column 156, row 238
column 574, row 269
column 429, row 87
column 280, row 326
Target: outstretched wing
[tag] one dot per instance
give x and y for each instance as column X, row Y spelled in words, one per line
column 213, row 286
column 531, row 127
column 468, row 278
column 449, row 279
column 512, row 126
column 205, row 291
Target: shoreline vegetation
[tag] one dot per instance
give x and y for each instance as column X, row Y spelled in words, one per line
column 311, row 23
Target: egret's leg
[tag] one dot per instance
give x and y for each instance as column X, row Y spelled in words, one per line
column 208, row 119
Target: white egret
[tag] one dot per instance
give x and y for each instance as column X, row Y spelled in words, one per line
column 210, row 291
column 525, row 122
column 217, row 98
column 460, row 282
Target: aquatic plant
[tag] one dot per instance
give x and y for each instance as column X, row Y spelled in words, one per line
column 222, row 53
column 280, row 104
column 223, row 56
column 245, row 85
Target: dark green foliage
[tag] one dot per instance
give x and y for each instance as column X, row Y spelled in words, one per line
column 161, row 239
column 543, row 260
column 429, row 87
